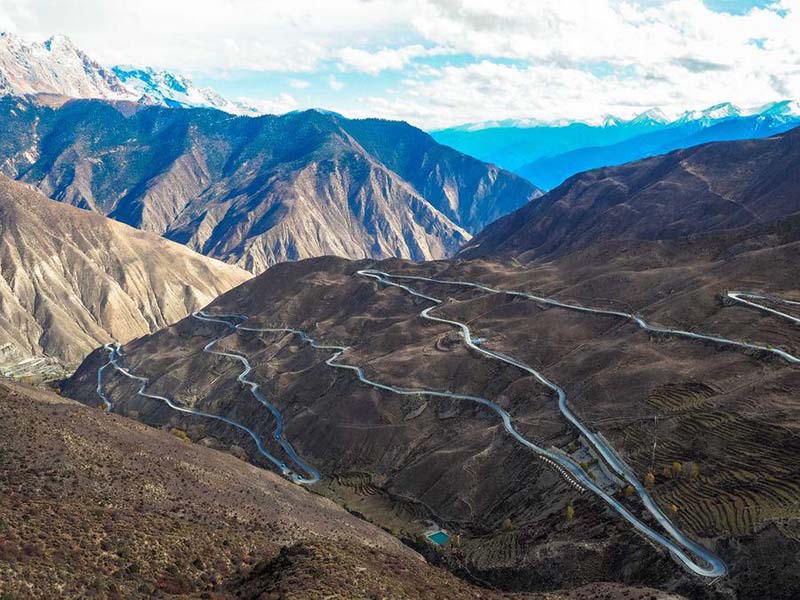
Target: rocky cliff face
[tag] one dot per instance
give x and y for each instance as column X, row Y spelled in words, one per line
column 71, row 280
column 256, row 191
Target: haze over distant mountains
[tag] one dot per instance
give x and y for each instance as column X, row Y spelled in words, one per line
column 549, row 153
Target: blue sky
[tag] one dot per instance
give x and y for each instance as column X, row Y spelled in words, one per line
column 736, row 7
column 442, row 62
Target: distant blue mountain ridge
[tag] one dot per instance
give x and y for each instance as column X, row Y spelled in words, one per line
column 547, row 154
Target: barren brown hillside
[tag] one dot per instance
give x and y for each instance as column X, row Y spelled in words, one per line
column 71, row 280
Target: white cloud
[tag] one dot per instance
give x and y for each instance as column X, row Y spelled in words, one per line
column 207, row 35
column 445, row 61
column 384, row 59
column 616, row 31
column 488, row 90
column 278, row 105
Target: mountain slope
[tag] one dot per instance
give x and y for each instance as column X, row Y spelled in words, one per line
column 467, row 191
column 71, row 280
column 716, row 186
column 404, row 460
column 256, row 191
column 94, row 505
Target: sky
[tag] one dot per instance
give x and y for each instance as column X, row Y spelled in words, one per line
column 438, row 63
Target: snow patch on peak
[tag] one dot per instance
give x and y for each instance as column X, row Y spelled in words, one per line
column 172, row 89
column 57, row 66
column 725, row 110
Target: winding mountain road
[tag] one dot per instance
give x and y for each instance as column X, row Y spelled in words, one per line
column 312, row 475
column 639, row 321
column 692, row 555
column 680, row 545
column 748, row 298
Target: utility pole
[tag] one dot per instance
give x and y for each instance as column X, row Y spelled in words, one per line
column 655, row 441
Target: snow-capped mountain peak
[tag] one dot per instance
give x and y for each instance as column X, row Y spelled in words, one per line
column 654, row 116
column 725, row 110
column 784, row 108
column 60, row 42
column 651, row 117
column 609, row 121
column 172, row 89
column 55, row 66
column 58, row 66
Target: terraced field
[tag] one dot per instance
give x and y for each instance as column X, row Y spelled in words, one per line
column 739, row 492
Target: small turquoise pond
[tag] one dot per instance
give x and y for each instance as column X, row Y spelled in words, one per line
column 439, row 538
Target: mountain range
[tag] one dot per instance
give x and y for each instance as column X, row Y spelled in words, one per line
column 171, row 89
column 711, row 187
column 256, row 191
column 550, row 153
column 323, row 357
column 148, row 149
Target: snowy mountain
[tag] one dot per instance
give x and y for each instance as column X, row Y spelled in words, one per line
column 726, row 110
column 57, row 66
column 548, row 153
column 170, row 89
column 652, row 117
column 788, row 110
